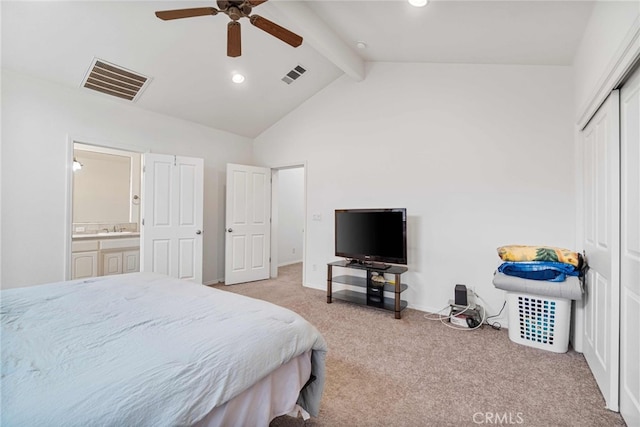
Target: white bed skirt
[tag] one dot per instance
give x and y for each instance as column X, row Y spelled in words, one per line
column 274, row 395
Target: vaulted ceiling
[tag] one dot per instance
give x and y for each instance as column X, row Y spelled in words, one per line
column 190, row 74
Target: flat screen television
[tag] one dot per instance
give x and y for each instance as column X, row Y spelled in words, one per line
column 371, row 236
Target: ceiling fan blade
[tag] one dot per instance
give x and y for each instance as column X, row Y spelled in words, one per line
column 255, row 3
column 234, row 46
column 186, row 13
column 276, row 30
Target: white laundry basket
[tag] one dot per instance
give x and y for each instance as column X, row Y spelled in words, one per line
column 538, row 321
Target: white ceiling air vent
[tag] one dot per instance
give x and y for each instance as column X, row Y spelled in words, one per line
column 114, row 80
column 292, row 75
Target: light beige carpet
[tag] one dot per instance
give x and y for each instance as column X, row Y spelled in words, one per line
column 415, row 372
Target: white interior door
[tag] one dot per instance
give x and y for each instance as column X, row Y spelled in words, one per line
column 601, row 236
column 248, row 228
column 630, row 250
column 172, row 212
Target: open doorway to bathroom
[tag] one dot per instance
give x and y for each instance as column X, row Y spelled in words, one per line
column 288, row 239
column 105, row 211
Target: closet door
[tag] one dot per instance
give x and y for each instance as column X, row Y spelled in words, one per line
column 601, row 235
column 630, row 250
column 172, row 212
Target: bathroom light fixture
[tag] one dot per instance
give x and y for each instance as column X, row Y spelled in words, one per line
column 418, row 3
column 76, row 165
column 237, row 78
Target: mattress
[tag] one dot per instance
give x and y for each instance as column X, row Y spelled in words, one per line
column 142, row 349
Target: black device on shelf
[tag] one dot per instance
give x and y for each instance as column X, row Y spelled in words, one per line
column 372, row 236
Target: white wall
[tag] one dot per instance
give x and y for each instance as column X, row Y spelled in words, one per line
column 290, row 215
column 480, row 155
column 37, row 120
column 609, row 24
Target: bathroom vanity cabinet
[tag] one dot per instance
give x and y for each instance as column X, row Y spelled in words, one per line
column 84, row 264
column 94, row 256
column 119, row 262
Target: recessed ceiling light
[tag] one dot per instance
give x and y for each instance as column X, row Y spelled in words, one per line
column 361, row 45
column 237, row 78
column 418, row 3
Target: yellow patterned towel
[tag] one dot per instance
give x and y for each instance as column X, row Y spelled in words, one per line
column 538, row 253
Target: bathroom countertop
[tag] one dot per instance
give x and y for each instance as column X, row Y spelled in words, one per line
column 106, row 235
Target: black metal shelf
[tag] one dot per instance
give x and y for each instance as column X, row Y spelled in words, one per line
column 362, row 282
column 362, row 299
column 374, row 294
column 391, row 269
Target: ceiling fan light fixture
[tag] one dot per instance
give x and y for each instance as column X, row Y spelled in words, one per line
column 237, row 78
column 418, row 3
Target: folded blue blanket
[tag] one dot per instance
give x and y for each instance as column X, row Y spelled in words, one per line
column 539, row 270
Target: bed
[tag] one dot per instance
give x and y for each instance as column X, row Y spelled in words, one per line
column 148, row 350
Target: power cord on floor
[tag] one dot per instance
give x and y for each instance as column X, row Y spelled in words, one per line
column 441, row 317
column 444, row 319
column 496, row 325
column 484, row 318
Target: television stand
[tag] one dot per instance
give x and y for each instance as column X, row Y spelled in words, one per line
column 370, row 264
column 374, row 291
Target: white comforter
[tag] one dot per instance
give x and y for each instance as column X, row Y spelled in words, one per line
column 140, row 349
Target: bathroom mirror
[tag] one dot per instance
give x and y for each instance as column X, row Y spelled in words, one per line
column 105, row 188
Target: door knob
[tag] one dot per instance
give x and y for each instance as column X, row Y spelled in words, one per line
column 230, row 230
column 198, row 231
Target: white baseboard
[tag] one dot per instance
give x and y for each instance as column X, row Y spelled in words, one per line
column 284, row 264
column 213, row 282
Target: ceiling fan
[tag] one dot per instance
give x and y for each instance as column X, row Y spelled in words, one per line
column 236, row 9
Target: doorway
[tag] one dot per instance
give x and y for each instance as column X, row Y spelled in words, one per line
column 105, row 194
column 252, row 221
column 288, row 194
